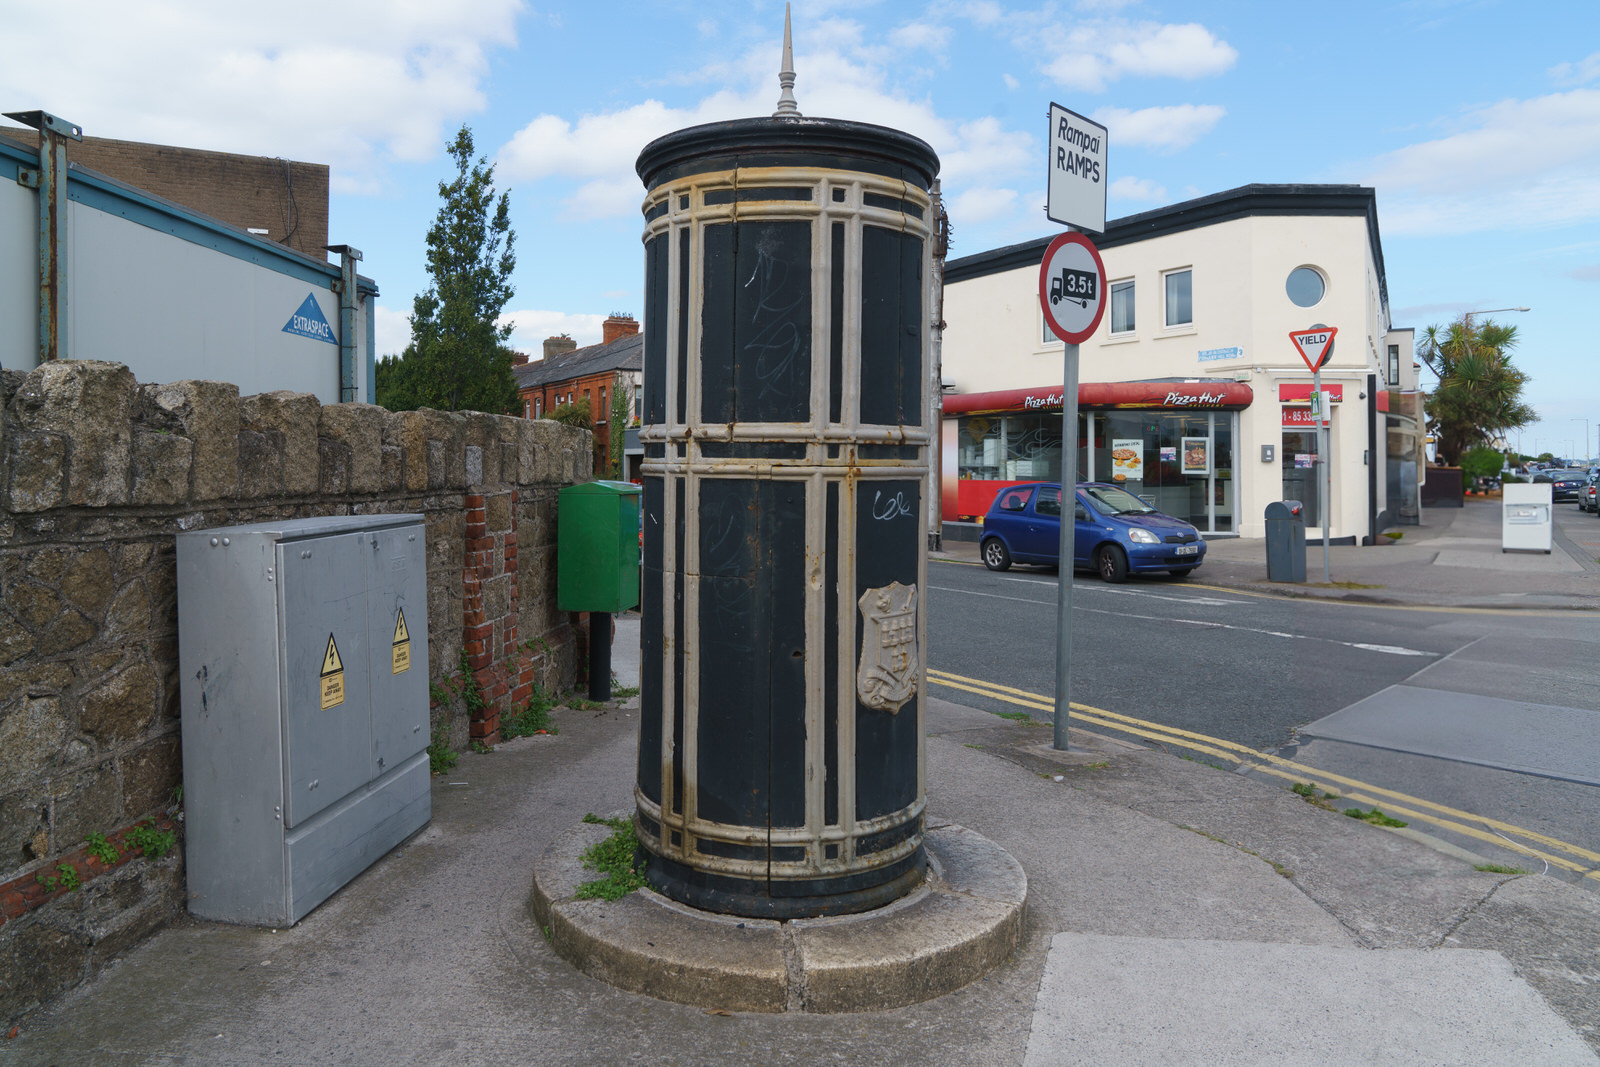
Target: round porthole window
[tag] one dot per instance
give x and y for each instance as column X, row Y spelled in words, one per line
column 1305, row 287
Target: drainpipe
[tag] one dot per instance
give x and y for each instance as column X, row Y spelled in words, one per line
column 51, row 181
column 346, row 288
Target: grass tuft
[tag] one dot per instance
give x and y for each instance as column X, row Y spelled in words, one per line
column 614, row 860
column 1376, row 817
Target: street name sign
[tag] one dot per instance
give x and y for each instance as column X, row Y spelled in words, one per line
column 1072, row 287
column 1076, row 189
column 1314, row 345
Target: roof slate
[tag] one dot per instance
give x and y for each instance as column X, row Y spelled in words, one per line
column 625, row 353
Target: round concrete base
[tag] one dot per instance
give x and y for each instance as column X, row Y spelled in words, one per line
column 960, row 923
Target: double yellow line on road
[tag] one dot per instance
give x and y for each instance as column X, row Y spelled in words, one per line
column 1557, row 853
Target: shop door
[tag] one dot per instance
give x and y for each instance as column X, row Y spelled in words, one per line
column 1300, row 481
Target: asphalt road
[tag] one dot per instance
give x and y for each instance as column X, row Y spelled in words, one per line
column 1494, row 713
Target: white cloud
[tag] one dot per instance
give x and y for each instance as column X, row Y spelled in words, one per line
column 352, row 84
column 1090, row 54
column 1165, row 129
column 985, row 148
column 600, row 148
column 1590, row 273
column 1137, row 189
column 926, row 36
column 392, row 331
column 981, row 205
column 530, row 327
column 1517, row 163
column 1580, row 73
column 1011, row 83
column 983, row 12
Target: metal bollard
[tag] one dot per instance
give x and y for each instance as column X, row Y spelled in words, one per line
column 1286, row 541
column 786, row 444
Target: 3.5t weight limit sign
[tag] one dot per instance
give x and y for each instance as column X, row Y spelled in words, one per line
column 1072, row 284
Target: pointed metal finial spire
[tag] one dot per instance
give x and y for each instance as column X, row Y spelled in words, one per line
column 787, row 105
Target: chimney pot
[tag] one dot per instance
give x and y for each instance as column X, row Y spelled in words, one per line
column 617, row 326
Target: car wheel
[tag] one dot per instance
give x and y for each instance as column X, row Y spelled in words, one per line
column 1180, row 573
column 1111, row 563
column 995, row 555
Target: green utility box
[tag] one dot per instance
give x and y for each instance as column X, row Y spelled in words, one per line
column 597, row 547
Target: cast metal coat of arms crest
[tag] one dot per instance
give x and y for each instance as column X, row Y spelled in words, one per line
column 890, row 665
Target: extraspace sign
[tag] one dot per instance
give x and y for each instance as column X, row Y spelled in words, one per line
column 1072, row 283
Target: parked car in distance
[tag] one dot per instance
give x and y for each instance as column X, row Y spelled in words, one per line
column 1115, row 532
column 1564, row 484
column 1589, row 492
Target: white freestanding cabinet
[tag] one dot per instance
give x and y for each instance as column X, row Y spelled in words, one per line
column 1528, row 518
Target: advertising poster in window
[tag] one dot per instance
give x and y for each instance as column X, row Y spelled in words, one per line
column 1127, row 460
column 1196, row 455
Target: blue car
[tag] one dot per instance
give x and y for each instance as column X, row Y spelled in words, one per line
column 1117, row 534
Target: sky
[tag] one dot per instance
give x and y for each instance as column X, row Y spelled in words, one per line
column 1477, row 122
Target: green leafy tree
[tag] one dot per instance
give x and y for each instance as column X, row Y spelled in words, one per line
column 457, row 359
column 1482, row 462
column 1479, row 395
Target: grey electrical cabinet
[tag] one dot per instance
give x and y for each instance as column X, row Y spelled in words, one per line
column 303, row 649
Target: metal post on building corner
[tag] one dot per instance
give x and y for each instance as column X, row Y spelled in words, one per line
column 349, row 256
column 51, row 181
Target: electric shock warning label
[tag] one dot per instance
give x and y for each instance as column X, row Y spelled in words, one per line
column 402, row 644
column 332, row 676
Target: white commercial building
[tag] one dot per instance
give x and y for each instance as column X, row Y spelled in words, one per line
column 1191, row 393
column 92, row 267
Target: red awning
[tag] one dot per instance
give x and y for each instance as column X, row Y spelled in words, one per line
column 1225, row 396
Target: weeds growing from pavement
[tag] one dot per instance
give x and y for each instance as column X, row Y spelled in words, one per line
column 1376, row 817
column 1497, row 868
column 613, row 859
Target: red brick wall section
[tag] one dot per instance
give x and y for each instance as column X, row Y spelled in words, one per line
column 504, row 671
column 21, row 895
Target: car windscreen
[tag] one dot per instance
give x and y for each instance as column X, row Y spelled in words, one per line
column 1116, row 501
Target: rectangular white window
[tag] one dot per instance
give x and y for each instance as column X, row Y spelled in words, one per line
column 1122, row 320
column 1047, row 335
column 1394, row 366
column 1179, row 297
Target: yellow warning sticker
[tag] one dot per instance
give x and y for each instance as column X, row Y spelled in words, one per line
column 401, row 652
column 332, row 676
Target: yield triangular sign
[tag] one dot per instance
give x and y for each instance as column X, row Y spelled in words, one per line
column 1315, row 345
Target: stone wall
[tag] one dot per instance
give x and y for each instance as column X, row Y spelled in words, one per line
column 97, row 474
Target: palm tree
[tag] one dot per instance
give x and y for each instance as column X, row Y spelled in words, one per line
column 1479, row 395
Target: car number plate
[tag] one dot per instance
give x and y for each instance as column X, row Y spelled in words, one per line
column 1188, row 550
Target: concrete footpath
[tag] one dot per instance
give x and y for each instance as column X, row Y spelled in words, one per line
column 1453, row 559
column 1177, row 914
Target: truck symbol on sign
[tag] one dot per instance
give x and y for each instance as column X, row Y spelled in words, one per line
column 1075, row 285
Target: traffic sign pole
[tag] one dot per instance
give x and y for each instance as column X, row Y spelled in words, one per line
column 1072, row 285
column 1069, row 498
column 1325, row 476
column 1316, row 348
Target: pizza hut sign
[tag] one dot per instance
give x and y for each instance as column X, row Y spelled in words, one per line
column 1232, row 396
column 1194, row 400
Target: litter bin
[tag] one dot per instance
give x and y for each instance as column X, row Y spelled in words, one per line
column 1526, row 521
column 1286, row 541
column 597, row 564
